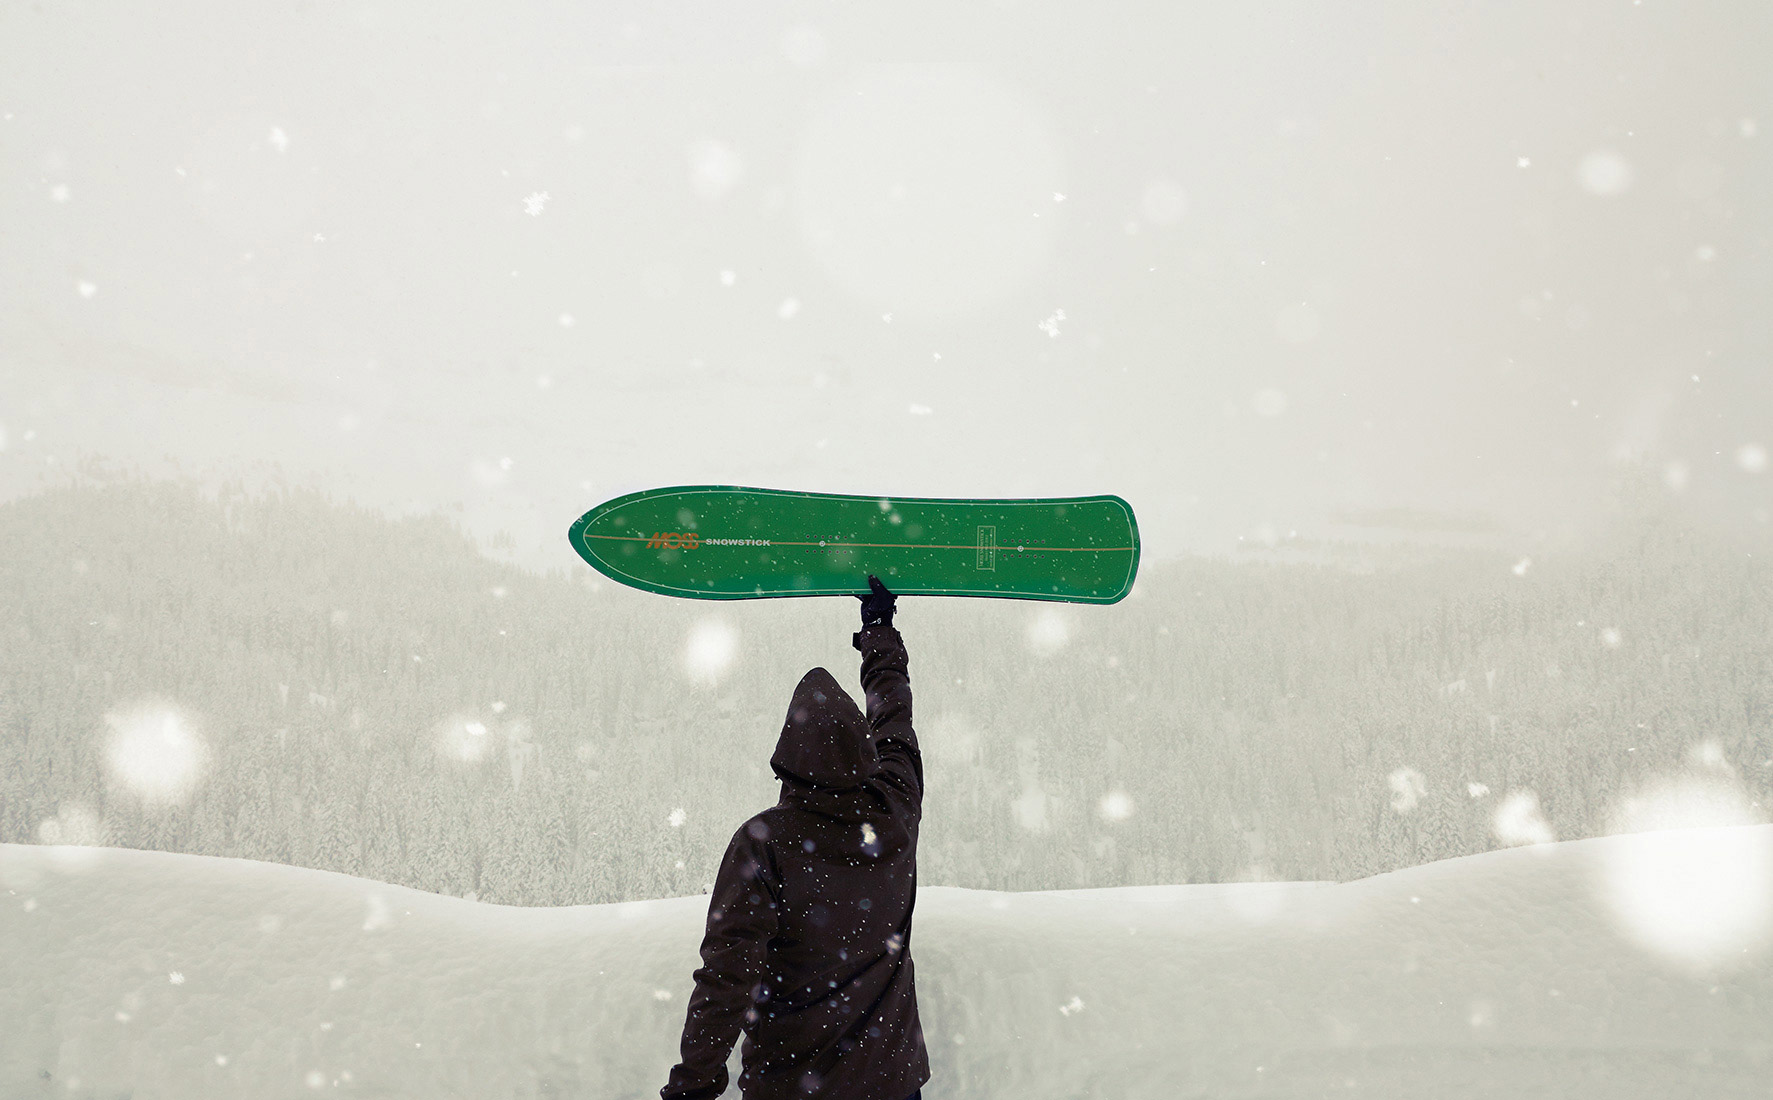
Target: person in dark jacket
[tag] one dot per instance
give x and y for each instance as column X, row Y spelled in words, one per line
column 808, row 942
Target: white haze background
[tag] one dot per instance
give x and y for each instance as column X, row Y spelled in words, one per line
column 1472, row 293
column 1259, row 269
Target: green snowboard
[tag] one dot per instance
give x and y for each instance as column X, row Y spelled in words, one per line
column 728, row 542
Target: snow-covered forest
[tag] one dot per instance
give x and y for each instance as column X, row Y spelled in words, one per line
column 289, row 679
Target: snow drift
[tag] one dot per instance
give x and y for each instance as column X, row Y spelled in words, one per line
column 1521, row 972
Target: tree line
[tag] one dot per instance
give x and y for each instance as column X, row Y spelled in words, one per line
column 374, row 696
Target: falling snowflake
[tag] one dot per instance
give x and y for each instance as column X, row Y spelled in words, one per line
column 1709, row 754
column 1407, row 789
column 788, row 308
column 85, row 288
column 73, row 824
column 1521, row 567
column 661, row 994
column 379, row 915
column 279, row 139
column 1523, row 162
column 532, row 205
column 728, row 277
column 1058, row 196
column 921, row 410
column 1030, row 808
column 462, row 738
column 1610, row 637
column 1074, row 1005
column 1050, row 326
column 1605, row 173
column 1048, row 631
column 1684, row 876
column 176, row 978
column 156, row 753
column 715, row 168
column 1115, row 806
column 1752, row 457
column 59, row 193
column 1482, row 1014
column 1477, row 790
column 710, row 651
column 565, row 320
column 677, row 818
column 1519, row 820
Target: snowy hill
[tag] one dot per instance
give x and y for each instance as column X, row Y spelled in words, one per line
column 1618, row 967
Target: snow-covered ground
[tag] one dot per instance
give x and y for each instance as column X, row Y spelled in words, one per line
column 1628, row 966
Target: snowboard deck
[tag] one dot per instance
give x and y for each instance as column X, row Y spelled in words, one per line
column 730, row 542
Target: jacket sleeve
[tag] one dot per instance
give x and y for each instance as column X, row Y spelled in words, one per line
column 886, row 682
column 742, row 917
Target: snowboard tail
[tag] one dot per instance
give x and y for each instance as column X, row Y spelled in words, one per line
column 729, row 542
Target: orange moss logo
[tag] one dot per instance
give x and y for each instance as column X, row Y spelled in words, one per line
column 674, row 540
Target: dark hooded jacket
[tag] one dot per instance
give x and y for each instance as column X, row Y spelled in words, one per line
column 808, row 942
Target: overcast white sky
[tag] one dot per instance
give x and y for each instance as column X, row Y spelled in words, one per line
column 1275, row 266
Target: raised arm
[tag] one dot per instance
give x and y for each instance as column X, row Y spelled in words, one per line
column 886, row 685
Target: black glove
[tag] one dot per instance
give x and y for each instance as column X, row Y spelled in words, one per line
column 877, row 605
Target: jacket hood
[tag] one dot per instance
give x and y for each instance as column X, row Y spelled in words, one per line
column 826, row 743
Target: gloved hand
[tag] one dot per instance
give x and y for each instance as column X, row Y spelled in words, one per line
column 877, row 605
